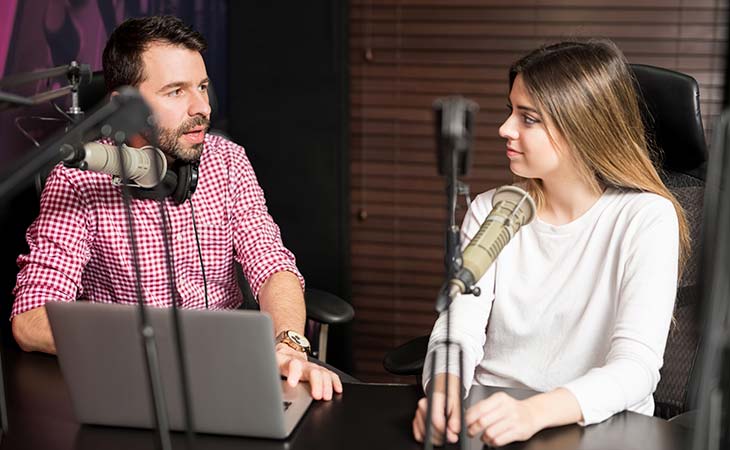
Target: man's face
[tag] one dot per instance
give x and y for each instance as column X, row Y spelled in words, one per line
column 175, row 86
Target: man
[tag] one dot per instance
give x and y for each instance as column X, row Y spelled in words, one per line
column 79, row 246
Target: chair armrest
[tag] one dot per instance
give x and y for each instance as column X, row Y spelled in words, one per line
column 408, row 358
column 686, row 419
column 327, row 308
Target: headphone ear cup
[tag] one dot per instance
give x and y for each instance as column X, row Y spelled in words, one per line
column 187, row 181
column 179, row 183
column 180, row 194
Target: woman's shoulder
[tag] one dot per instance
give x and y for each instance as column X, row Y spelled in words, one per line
column 482, row 204
column 634, row 200
column 642, row 208
column 485, row 198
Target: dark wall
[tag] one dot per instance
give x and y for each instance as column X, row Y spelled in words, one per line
column 288, row 108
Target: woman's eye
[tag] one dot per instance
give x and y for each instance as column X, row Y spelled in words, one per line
column 530, row 120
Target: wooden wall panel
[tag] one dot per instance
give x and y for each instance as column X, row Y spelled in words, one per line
column 406, row 53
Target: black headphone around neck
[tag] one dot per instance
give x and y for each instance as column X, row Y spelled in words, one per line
column 179, row 183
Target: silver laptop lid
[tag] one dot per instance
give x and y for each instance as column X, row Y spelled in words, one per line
column 235, row 387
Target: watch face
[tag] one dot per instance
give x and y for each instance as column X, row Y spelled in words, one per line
column 298, row 338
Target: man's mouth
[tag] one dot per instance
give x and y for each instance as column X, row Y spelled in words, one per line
column 196, row 135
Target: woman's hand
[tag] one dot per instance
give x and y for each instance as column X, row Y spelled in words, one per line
column 501, row 419
column 451, row 423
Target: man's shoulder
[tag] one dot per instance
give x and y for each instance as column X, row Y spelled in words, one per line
column 79, row 178
column 225, row 151
column 216, row 143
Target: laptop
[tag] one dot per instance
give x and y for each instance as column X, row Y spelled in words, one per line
column 234, row 382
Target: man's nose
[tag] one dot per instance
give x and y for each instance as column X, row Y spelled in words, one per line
column 199, row 105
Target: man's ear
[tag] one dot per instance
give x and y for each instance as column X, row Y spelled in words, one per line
column 113, row 94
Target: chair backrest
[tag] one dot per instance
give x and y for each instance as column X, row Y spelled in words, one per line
column 672, row 117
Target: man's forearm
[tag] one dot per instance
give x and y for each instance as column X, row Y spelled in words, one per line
column 282, row 298
column 32, row 331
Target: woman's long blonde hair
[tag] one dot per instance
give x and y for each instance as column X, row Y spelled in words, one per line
column 587, row 90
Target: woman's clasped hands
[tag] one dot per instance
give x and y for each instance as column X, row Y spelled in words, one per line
column 498, row 419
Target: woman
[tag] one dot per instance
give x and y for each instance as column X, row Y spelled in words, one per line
column 578, row 305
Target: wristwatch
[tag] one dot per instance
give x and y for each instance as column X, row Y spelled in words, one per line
column 294, row 340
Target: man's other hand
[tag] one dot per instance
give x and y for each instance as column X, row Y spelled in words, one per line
column 32, row 331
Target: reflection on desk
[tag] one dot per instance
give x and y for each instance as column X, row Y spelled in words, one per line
column 366, row 416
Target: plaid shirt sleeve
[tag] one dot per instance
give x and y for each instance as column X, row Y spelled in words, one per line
column 257, row 238
column 59, row 247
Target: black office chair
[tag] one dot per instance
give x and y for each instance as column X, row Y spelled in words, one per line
column 323, row 308
column 673, row 122
column 673, row 102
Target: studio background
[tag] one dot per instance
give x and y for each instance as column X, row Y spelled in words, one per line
column 332, row 101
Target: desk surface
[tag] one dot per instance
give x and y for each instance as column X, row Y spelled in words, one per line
column 366, row 417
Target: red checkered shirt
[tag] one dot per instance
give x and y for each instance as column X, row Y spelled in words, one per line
column 79, row 246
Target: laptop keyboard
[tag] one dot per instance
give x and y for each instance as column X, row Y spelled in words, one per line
column 286, row 405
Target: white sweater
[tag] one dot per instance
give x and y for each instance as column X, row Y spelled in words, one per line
column 586, row 305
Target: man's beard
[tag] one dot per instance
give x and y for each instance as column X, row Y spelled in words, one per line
column 168, row 140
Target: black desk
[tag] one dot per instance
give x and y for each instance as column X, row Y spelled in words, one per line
column 365, row 417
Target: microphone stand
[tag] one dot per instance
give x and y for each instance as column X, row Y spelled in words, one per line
column 179, row 339
column 147, row 332
column 146, row 329
column 443, row 304
column 9, row 100
column 124, row 115
column 454, row 120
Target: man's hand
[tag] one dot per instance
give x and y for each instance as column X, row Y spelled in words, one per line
column 32, row 331
column 295, row 366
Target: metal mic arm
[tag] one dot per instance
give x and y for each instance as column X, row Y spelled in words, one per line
column 75, row 72
column 126, row 113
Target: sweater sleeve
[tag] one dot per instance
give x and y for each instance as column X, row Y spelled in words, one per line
column 647, row 289
column 469, row 314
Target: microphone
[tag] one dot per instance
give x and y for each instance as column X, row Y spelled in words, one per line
column 513, row 207
column 138, row 162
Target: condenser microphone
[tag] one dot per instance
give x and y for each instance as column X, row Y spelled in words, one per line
column 139, row 163
column 513, row 208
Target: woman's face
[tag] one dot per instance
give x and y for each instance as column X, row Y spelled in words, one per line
column 531, row 151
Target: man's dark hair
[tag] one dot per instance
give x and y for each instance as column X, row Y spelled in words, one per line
column 122, row 60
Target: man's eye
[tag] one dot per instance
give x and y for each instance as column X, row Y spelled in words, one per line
column 203, row 88
column 175, row 93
